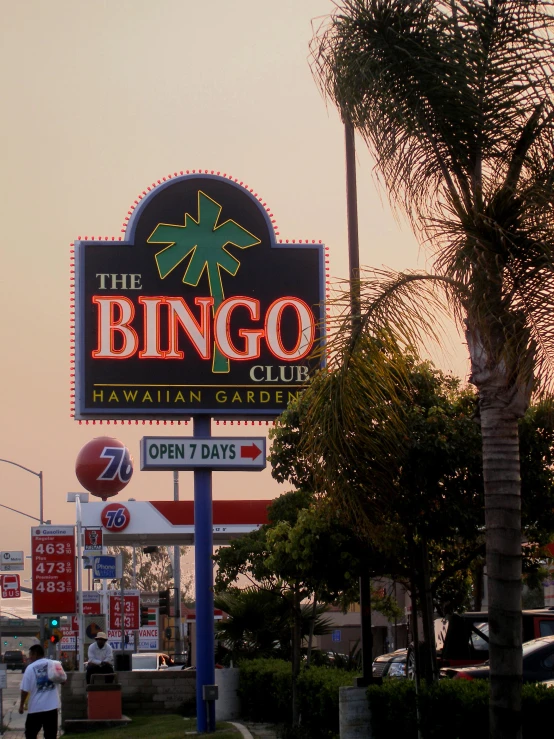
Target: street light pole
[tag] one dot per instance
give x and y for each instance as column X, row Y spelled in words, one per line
column 41, row 515
column 40, row 478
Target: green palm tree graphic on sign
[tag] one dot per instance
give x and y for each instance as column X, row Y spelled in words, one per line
column 206, row 240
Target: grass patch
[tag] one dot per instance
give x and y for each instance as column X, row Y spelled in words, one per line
column 161, row 727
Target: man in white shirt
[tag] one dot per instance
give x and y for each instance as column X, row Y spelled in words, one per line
column 42, row 712
column 100, row 657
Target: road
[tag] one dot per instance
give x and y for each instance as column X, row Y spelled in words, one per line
column 10, row 698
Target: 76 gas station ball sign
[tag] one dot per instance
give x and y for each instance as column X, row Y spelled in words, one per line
column 198, row 310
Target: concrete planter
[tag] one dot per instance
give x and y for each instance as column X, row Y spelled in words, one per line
column 354, row 714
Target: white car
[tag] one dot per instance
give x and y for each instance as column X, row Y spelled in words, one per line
column 142, row 661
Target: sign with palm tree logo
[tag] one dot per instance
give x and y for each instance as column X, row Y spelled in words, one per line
column 199, row 309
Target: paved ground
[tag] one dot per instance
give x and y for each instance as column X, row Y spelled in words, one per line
column 10, row 700
column 16, row 722
column 262, row 731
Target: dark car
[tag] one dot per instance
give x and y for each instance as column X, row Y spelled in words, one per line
column 538, row 664
column 392, row 664
column 14, row 659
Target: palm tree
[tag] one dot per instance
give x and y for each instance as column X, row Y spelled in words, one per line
column 258, row 622
column 455, row 100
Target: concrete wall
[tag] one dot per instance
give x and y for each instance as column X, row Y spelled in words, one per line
column 142, row 692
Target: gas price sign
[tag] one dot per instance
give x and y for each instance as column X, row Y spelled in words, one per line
column 53, row 563
column 131, row 617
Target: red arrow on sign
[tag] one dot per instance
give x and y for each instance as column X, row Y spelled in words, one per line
column 250, row 452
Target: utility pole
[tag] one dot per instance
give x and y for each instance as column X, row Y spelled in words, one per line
column 355, row 312
column 177, row 577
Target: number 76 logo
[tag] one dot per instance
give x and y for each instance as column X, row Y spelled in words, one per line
column 115, row 517
column 119, row 464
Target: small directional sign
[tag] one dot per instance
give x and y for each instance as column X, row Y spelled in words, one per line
column 12, row 561
column 189, row 453
column 10, row 586
column 107, row 567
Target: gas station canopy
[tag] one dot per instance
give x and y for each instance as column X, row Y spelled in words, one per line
column 172, row 522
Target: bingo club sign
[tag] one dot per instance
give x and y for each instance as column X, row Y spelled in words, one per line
column 198, row 310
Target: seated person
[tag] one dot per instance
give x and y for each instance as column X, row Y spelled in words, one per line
column 100, row 657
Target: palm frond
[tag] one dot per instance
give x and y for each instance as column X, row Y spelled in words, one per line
column 455, row 98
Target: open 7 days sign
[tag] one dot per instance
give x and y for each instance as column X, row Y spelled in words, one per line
column 198, row 310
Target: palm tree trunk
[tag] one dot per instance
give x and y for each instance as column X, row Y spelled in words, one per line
column 503, row 542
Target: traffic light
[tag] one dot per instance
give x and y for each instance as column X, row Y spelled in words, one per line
column 164, row 602
column 54, row 638
column 168, row 633
column 144, row 616
column 53, row 622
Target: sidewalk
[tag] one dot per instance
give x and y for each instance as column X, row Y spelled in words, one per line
column 20, row 734
column 262, row 731
column 15, row 722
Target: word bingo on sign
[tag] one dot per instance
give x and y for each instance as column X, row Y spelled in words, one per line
column 53, row 565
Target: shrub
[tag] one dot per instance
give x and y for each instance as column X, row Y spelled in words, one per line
column 538, row 708
column 455, row 708
column 393, row 709
column 265, row 689
column 318, row 691
column 449, row 709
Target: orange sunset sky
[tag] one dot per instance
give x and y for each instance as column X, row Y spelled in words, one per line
column 100, row 99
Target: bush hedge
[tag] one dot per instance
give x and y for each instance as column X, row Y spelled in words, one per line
column 450, row 709
column 265, row 688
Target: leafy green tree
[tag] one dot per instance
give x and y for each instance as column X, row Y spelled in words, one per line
column 455, row 100
column 425, row 528
column 153, row 571
column 300, row 555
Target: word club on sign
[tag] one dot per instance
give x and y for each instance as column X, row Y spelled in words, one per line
column 53, row 567
column 131, row 619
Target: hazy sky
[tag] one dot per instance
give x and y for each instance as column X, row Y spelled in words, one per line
column 100, row 99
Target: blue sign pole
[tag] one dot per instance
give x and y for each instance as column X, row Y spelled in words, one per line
column 203, row 570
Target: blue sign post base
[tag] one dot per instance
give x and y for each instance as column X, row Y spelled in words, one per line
column 203, row 570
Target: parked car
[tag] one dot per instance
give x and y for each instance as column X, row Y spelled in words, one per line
column 150, row 661
column 466, row 642
column 392, row 664
column 14, row 659
column 467, row 636
column 538, row 664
